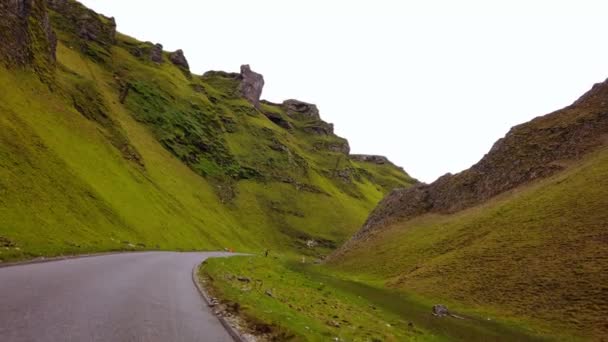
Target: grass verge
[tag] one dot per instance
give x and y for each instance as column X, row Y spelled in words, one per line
column 285, row 299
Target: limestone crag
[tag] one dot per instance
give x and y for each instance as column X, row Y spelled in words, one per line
column 299, row 109
column 179, row 59
column 367, row 158
column 156, row 53
column 251, row 85
column 26, row 36
column 86, row 23
column 530, row 151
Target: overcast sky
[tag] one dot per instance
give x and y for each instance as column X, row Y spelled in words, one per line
column 430, row 84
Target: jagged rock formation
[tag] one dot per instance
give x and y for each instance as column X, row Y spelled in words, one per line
column 295, row 108
column 26, row 36
column 179, row 59
column 530, row 151
column 87, row 24
column 156, row 53
column 380, row 160
column 251, row 85
column 308, row 112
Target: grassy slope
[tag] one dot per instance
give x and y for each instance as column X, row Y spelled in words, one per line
column 537, row 255
column 112, row 176
column 312, row 303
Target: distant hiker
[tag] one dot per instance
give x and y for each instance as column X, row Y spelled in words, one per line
column 266, row 253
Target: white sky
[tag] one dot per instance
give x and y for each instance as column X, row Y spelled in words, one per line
column 430, row 84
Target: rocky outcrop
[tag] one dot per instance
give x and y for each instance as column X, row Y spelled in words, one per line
column 26, row 36
column 334, row 146
column 342, row 147
column 179, row 59
column 251, row 85
column 530, row 151
column 86, row 23
column 319, row 128
column 278, row 120
column 216, row 73
column 156, row 53
column 366, row 158
column 299, row 109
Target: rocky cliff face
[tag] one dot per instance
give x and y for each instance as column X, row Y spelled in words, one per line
column 252, row 85
column 26, row 37
column 87, row 24
column 379, row 160
column 530, row 151
column 95, row 33
column 179, row 59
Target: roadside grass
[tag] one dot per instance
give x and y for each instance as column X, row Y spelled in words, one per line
column 536, row 255
column 287, row 300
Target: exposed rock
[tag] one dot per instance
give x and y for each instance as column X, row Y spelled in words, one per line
column 319, row 128
column 278, row 120
column 333, row 323
column 26, row 36
column 345, row 174
column 269, row 103
column 179, row 59
column 86, row 23
column 243, row 279
column 215, row 73
column 57, row 4
column 337, row 146
column 380, row 160
column 156, row 53
column 137, row 52
column 301, row 109
column 5, row 242
column 531, row 151
column 440, row 310
column 343, row 147
column 251, row 85
column 92, row 29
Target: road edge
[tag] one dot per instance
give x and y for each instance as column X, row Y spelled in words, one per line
column 42, row 260
column 232, row 331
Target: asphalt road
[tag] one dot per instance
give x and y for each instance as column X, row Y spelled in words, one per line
column 121, row 297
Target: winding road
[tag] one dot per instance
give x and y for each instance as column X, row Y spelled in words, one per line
column 146, row 296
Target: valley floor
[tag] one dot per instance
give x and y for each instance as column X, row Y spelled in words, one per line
column 285, row 299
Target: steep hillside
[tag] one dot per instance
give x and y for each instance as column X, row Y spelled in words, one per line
column 521, row 235
column 109, row 143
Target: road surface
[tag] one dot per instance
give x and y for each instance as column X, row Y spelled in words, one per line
column 122, row 297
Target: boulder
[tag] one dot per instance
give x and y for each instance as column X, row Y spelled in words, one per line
column 440, row 310
column 301, row 109
column 179, row 59
column 156, row 53
column 251, row 85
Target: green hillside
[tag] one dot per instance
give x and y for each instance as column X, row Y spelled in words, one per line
column 525, row 243
column 108, row 143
